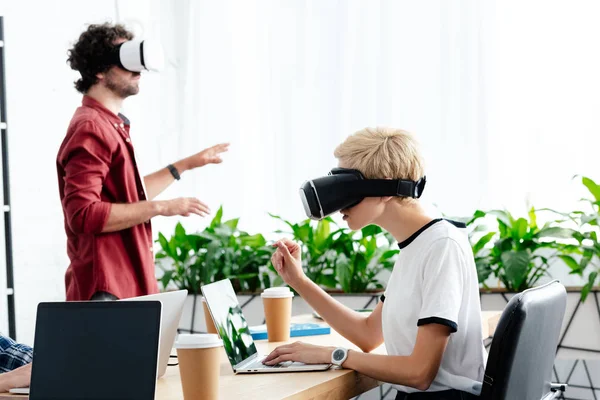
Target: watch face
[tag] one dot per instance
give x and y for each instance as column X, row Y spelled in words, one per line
column 338, row 355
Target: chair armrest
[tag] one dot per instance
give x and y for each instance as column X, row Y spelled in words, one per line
column 556, row 389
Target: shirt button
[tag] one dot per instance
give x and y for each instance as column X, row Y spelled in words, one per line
column 122, row 126
column 128, row 140
column 151, row 249
column 116, row 125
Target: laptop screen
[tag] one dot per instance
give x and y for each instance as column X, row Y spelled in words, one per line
column 96, row 350
column 229, row 321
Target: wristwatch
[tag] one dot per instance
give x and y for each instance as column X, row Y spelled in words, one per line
column 338, row 356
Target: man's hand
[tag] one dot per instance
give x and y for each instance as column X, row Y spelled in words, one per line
column 212, row 155
column 17, row 378
column 301, row 352
column 183, row 206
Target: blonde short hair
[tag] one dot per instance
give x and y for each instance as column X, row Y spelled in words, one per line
column 382, row 153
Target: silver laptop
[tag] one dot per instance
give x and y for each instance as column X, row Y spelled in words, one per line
column 237, row 341
column 172, row 308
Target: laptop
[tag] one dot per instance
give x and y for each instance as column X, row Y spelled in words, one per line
column 237, row 340
column 96, row 350
column 172, row 308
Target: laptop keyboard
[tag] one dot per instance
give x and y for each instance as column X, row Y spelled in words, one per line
column 259, row 365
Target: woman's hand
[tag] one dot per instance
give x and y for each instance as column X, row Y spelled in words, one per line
column 287, row 262
column 301, row 352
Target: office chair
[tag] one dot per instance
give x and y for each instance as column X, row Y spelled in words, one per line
column 521, row 357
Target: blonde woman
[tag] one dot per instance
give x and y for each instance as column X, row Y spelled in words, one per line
column 430, row 316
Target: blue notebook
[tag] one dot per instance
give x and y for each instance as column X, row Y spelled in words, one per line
column 259, row 332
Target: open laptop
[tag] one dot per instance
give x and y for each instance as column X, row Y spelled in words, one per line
column 95, row 351
column 172, row 308
column 237, row 341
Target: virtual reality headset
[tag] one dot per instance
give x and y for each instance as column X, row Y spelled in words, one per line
column 138, row 55
column 343, row 188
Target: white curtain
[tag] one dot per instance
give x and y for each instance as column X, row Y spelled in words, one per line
column 285, row 82
column 502, row 96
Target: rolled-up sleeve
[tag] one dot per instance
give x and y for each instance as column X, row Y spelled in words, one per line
column 86, row 162
column 13, row 355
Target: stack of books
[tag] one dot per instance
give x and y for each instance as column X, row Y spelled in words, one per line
column 259, row 332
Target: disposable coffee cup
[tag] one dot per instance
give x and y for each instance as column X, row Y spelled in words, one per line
column 210, row 325
column 277, row 303
column 199, row 357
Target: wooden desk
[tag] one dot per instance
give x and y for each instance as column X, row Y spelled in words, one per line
column 331, row 385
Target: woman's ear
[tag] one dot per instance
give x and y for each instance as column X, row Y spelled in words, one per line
column 100, row 76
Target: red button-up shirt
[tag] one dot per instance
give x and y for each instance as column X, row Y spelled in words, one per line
column 96, row 167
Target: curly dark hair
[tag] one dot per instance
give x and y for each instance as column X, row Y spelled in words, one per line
column 90, row 54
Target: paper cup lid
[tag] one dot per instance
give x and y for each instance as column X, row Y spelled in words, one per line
column 198, row 341
column 277, row 292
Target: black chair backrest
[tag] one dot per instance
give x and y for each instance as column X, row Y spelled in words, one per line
column 524, row 345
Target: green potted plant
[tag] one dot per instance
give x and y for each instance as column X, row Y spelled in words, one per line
column 339, row 259
column 585, row 256
column 316, row 240
column 359, row 265
column 220, row 251
column 522, row 252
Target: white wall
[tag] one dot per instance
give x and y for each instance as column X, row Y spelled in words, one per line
column 40, row 101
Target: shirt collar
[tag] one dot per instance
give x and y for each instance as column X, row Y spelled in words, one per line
column 114, row 119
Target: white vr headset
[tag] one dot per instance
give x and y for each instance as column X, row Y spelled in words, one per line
column 139, row 55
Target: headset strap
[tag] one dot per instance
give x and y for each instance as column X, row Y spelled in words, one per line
column 390, row 187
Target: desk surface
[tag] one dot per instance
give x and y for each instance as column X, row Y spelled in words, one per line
column 330, row 385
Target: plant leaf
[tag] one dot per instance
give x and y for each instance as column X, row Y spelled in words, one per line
column 217, row 219
column 328, row 280
column 483, row 270
column 502, row 216
column 180, row 231
column 166, row 278
column 589, row 285
column 571, row 263
column 164, row 243
column 532, row 219
column 232, row 223
column 344, row 273
column 322, row 233
column 478, row 214
column 557, row 232
column 371, row 230
column 254, row 241
column 519, row 229
column 516, row 267
column 482, row 242
column 592, row 187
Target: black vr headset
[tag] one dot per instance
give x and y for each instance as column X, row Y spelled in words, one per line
column 344, row 188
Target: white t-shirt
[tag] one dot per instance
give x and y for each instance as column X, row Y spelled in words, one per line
column 435, row 281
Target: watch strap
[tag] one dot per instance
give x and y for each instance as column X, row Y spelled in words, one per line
column 174, row 171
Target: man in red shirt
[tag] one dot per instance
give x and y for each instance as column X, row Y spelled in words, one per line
column 107, row 206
